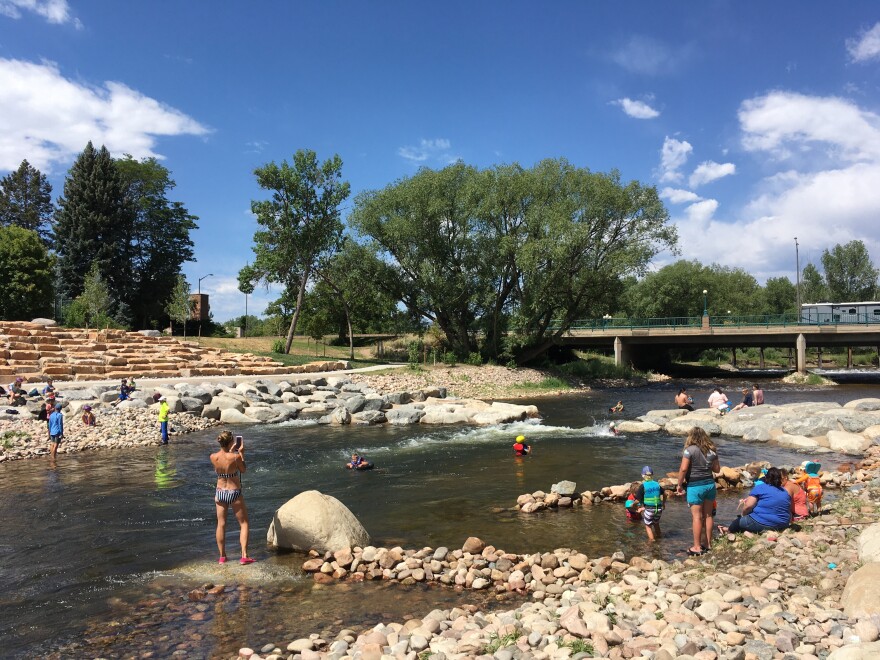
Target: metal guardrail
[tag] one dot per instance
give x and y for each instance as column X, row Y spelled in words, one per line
column 721, row 321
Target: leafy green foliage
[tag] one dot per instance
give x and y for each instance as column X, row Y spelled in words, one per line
column 780, row 296
column 26, row 273
column 578, row 646
column 300, row 224
column 278, row 346
column 497, row 642
column 95, row 297
column 179, row 305
column 813, row 287
column 414, row 354
column 26, row 201
column 849, row 273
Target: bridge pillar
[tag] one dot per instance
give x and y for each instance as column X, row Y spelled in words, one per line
column 621, row 353
column 849, row 357
column 761, row 357
column 801, row 347
column 819, row 357
column 733, row 357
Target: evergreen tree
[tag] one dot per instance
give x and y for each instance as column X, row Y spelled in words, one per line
column 26, row 201
column 26, row 271
column 160, row 238
column 95, row 226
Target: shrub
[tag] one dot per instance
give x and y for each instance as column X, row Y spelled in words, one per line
column 475, row 359
column 449, row 358
column 278, row 346
column 414, row 351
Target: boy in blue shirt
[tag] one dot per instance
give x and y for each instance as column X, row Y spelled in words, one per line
column 56, row 430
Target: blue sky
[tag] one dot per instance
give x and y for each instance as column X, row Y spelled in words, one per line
column 758, row 122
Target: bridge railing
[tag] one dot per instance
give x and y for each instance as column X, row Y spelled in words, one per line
column 721, row 321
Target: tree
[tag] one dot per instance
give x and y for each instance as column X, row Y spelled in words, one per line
column 159, row 236
column 26, row 201
column 301, row 223
column 95, row 296
column 849, row 273
column 26, row 273
column 813, row 288
column 513, row 252
column 780, row 296
column 94, row 226
column 674, row 290
column 179, row 304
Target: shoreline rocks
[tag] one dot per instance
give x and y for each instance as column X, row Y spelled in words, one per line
column 810, row 427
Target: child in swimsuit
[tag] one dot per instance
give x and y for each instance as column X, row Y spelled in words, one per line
column 88, row 417
column 811, row 482
column 650, row 497
column 632, row 504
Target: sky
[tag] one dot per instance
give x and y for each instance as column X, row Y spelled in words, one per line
column 757, row 122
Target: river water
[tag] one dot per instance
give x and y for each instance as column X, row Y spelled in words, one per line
column 94, row 546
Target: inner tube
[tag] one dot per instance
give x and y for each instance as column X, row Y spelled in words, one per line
column 365, row 466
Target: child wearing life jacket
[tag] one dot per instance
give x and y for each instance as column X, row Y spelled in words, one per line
column 632, row 504
column 811, row 483
column 521, row 447
column 651, row 497
column 616, row 408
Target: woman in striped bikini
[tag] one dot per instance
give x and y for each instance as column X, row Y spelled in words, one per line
column 229, row 465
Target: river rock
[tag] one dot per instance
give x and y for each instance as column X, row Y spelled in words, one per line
column 801, row 442
column 129, row 404
column 808, row 426
column 444, row 415
column 847, row 443
column 355, row 404
column 868, row 651
column 226, row 402
column 682, row 425
column 369, row 417
column 627, row 426
column 564, row 488
column 861, row 597
column 869, row 544
column 315, row 521
column 258, row 413
column 863, row 404
column 404, row 415
column 192, row 405
column 235, row 416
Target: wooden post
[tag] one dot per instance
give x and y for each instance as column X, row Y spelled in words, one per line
column 849, row 364
column 819, row 357
column 761, row 357
column 733, row 355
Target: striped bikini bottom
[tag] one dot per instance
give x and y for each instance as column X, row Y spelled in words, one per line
column 227, row 497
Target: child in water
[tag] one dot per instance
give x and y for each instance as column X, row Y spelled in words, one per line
column 811, row 482
column 650, row 497
column 521, row 447
column 632, row 503
column 356, row 463
column 616, row 408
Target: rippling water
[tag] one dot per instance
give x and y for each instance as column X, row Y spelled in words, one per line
column 117, row 526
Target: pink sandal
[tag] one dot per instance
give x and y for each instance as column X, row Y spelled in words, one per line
column 222, row 560
column 246, row 560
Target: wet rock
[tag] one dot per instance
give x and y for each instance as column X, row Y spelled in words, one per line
column 313, row 520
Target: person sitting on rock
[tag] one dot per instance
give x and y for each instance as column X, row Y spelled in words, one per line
column 718, row 401
column 15, row 392
column 88, row 417
column 521, row 447
column 757, row 395
column 131, row 385
column 617, row 407
column 683, row 401
column 768, row 507
column 748, row 400
column 49, row 389
column 124, row 392
column 812, row 483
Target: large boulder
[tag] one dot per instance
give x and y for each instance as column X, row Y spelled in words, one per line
column 847, row 443
column 861, row 597
column 863, row 404
column 354, row 404
column 660, row 417
column 800, row 442
column 627, row 426
column 850, row 420
column 808, row 426
column 682, row 425
column 404, row 415
column 314, row 521
column 225, row 402
column 192, row 405
column 233, row 416
column 261, row 413
column 46, row 323
column 869, row 544
column 863, row 651
column 129, row 404
column 85, row 394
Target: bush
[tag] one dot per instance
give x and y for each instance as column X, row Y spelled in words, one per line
column 413, row 354
column 475, row 359
column 449, row 358
column 278, row 346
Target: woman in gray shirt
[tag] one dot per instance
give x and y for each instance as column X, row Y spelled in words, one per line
column 698, row 463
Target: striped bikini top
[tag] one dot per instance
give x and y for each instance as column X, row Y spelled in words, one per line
column 231, row 475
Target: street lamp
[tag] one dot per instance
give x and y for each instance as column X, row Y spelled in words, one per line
column 797, row 265
column 705, row 302
column 605, row 319
column 200, row 281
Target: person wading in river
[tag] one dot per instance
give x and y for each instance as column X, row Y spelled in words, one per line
column 698, row 463
column 229, row 465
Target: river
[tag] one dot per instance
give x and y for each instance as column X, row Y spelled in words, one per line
column 88, row 543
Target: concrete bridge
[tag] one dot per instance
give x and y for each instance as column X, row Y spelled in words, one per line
column 645, row 341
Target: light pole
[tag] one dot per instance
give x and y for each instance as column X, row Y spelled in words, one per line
column 200, row 302
column 705, row 302
column 605, row 320
column 797, row 263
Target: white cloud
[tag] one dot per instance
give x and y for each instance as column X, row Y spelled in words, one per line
column 647, row 56
column 679, row 196
column 709, row 170
column 702, row 211
column 673, row 156
column 48, row 118
column 637, row 109
column 54, row 11
column 784, row 123
column 437, row 149
column 866, row 47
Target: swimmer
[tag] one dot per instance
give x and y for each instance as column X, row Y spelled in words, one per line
column 616, row 408
column 521, row 447
column 358, row 463
column 613, row 428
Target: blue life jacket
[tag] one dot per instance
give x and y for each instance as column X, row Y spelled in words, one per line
column 653, row 495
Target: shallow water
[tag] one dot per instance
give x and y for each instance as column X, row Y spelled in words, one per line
column 83, row 541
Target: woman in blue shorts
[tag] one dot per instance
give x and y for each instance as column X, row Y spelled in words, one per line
column 698, row 463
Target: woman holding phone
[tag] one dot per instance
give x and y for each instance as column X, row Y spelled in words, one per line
column 229, row 465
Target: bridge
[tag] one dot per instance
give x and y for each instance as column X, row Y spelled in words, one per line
column 640, row 341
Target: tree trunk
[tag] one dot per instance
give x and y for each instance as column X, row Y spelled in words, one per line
column 299, row 301
column 535, row 351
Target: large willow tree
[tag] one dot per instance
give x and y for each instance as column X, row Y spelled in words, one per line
column 511, row 255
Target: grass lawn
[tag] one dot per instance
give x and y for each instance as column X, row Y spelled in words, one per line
column 302, row 351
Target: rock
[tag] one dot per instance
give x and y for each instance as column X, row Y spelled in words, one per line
column 355, row 404
column 847, row 443
column 224, row 402
column 682, row 425
column 861, row 597
column 234, row 416
column 870, row 651
column 866, row 631
column 46, row 323
column 808, row 425
column 572, row 622
column 339, row 417
column 863, row 404
column 473, row 545
column 257, row 413
column 708, row 610
column 404, row 415
column 369, row 417
column 869, row 544
column 314, row 521
column 796, row 442
column 150, row 333
column 564, row 488
column 130, row 404
column 627, row 426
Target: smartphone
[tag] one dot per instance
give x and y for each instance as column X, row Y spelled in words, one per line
column 237, row 445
